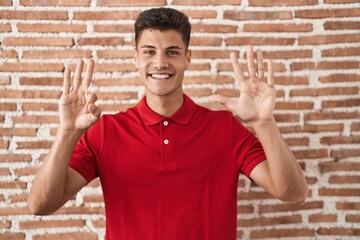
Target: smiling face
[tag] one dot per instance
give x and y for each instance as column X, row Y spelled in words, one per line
column 161, row 58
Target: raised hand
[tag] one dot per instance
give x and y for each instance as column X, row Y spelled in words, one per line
column 256, row 102
column 77, row 107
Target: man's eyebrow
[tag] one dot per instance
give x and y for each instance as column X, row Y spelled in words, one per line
column 170, row 47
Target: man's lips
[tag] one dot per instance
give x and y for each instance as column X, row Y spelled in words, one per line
column 160, row 76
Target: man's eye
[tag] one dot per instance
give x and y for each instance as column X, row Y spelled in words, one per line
column 149, row 52
column 173, row 53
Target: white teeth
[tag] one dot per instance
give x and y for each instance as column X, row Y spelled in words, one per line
column 160, row 76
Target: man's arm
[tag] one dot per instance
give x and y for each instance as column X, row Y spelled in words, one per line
column 55, row 182
column 280, row 174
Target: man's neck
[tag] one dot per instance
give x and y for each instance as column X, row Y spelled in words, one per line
column 164, row 105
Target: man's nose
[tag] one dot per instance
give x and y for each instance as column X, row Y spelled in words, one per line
column 161, row 61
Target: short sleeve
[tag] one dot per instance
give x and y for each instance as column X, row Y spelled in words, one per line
column 246, row 148
column 87, row 152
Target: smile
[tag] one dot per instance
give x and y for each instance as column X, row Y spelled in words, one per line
column 160, row 76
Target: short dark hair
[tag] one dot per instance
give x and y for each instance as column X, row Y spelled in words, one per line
column 163, row 19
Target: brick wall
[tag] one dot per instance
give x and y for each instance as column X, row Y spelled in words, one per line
column 315, row 45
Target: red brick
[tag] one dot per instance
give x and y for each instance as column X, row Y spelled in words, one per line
column 5, row 80
column 291, row 80
column 257, row 15
column 5, row 224
column 339, row 192
column 7, row 106
column 124, row 95
column 118, row 28
column 326, row 65
column 340, row 140
column 13, row 185
column 18, row 131
column 345, row 153
column 110, row 54
column 341, row 103
column 34, row 145
column 55, row 28
column 31, row 67
column 26, row 172
column 51, row 224
column 321, row 218
column 340, row 1
column 34, row 15
column 337, row 127
column 41, row 81
column 339, row 25
column 53, row 107
column 67, row 236
column 265, row 3
column 120, row 3
column 328, row 39
column 35, row 119
column 40, row 41
column 348, row 206
column 333, row 78
column 243, row 41
column 355, row 126
column 4, row 144
column 98, row 198
column 290, row 207
column 206, row 2
column 264, row 221
column 205, row 41
column 281, row 233
column 8, row 54
column 56, row 54
column 331, row 115
column 328, row 13
column 340, row 52
column 106, row 15
column 211, row 28
column 353, row 218
column 333, row 91
column 303, row 141
column 338, row 166
column 12, row 236
column 105, row 41
column 99, row 223
column 294, row 105
column 83, row 3
column 279, row 27
column 200, row 14
column 5, row 27
column 3, row 172
column 208, row 79
column 6, row 3
column 334, row 231
column 344, row 179
column 15, row 158
column 311, row 154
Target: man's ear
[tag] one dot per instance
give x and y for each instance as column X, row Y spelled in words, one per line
column 188, row 58
column 136, row 62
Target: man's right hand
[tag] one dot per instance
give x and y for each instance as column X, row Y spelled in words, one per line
column 77, row 107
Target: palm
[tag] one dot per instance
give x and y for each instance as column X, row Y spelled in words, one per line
column 257, row 97
column 76, row 108
column 256, row 101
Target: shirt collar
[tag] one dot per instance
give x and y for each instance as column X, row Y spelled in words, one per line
column 182, row 116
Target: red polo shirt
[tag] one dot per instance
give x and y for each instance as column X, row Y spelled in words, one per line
column 167, row 178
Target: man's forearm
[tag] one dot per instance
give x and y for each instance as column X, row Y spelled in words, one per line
column 286, row 175
column 48, row 188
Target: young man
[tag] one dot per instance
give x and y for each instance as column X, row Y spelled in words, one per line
column 168, row 167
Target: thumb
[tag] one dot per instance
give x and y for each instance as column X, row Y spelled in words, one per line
column 227, row 102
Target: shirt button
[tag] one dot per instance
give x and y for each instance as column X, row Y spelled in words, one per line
column 166, row 123
column 166, row 141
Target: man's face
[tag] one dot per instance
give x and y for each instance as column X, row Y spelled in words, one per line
column 161, row 58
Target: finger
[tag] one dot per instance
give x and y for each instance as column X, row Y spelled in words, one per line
column 250, row 63
column 91, row 98
column 77, row 76
column 260, row 63
column 66, row 83
column 270, row 75
column 236, row 66
column 227, row 102
column 95, row 112
column 88, row 75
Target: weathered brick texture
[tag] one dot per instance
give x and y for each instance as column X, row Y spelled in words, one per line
column 315, row 47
